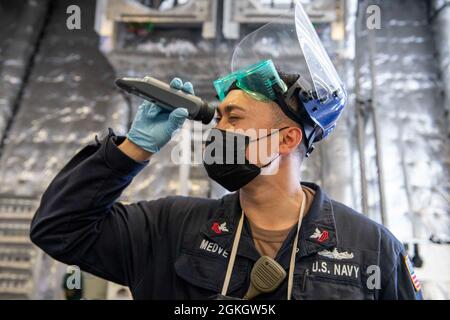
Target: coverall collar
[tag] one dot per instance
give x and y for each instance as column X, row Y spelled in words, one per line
column 317, row 233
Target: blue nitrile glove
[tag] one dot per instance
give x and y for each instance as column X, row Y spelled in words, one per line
column 153, row 126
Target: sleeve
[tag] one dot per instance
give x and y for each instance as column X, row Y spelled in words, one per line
column 79, row 222
column 402, row 284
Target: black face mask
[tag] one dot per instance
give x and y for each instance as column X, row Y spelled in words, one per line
column 231, row 170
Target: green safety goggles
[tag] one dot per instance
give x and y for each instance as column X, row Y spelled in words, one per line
column 258, row 80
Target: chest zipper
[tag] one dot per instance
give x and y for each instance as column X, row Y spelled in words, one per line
column 305, row 275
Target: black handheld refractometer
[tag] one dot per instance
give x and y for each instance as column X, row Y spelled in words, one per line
column 163, row 95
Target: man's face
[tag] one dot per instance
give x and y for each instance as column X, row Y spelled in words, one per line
column 239, row 111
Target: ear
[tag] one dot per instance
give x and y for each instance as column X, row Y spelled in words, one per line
column 290, row 139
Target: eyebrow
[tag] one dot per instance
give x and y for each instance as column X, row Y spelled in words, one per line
column 230, row 107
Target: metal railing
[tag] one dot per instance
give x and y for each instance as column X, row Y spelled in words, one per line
column 19, row 258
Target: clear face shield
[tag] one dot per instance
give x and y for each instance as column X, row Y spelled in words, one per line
column 291, row 44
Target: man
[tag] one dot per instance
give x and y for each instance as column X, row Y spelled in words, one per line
column 180, row 247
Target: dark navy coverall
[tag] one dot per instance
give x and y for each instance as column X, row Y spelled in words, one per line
column 172, row 248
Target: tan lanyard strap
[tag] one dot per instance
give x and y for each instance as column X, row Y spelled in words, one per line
column 237, row 237
column 294, row 248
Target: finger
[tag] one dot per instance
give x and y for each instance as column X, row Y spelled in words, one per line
column 177, row 118
column 154, row 110
column 144, row 107
column 176, row 83
column 188, row 88
column 146, row 104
